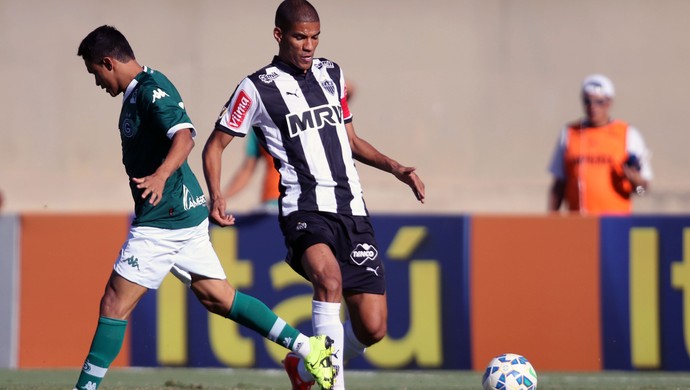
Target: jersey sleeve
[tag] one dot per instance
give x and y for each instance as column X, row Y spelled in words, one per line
column 557, row 166
column 238, row 115
column 347, row 115
column 165, row 109
column 635, row 145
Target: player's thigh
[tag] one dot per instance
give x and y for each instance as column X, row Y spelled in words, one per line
column 369, row 316
column 197, row 256
column 315, row 233
column 120, row 297
column 323, row 270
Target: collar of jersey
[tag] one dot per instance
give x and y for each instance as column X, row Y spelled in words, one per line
column 133, row 83
column 288, row 68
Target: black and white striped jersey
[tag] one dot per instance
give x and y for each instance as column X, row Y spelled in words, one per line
column 300, row 120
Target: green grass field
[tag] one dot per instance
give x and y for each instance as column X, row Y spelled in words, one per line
column 240, row 379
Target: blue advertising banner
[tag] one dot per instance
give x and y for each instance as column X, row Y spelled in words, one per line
column 645, row 284
column 426, row 267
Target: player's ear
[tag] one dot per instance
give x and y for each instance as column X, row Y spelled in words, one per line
column 277, row 34
column 108, row 63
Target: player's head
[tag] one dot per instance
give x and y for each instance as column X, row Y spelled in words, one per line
column 297, row 32
column 597, row 95
column 103, row 50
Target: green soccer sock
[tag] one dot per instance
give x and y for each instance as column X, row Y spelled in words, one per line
column 255, row 315
column 105, row 346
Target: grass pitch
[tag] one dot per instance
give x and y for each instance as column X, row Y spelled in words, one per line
column 250, row 379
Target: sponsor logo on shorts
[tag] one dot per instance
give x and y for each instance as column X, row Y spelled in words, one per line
column 132, row 261
column 375, row 271
column 239, row 111
column 363, row 253
column 268, row 78
column 301, row 226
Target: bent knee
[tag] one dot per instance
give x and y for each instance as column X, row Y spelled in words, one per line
column 328, row 289
column 373, row 334
column 111, row 307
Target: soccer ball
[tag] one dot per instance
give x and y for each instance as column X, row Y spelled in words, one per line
column 509, row 372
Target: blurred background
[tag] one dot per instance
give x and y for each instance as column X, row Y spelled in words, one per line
column 472, row 93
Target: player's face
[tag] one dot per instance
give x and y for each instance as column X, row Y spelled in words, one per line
column 298, row 44
column 596, row 108
column 105, row 77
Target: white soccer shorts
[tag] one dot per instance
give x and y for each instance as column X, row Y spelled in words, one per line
column 150, row 253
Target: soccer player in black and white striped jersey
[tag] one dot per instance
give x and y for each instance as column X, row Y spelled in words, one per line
column 297, row 105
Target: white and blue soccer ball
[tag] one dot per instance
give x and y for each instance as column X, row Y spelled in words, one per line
column 509, row 372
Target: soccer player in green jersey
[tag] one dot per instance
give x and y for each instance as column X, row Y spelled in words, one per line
column 170, row 230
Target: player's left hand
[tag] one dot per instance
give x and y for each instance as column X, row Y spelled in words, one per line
column 152, row 185
column 408, row 176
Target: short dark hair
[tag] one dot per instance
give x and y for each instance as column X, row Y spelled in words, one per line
column 291, row 12
column 105, row 41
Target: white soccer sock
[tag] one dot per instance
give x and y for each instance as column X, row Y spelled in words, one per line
column 302, row 347
column 353, row 347
column 326, row 320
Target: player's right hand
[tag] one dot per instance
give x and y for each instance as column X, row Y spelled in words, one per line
column 408, row 176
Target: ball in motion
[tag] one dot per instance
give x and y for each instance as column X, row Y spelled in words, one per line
column 509, row 372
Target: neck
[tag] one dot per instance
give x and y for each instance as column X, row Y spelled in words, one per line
column 129, row 70
column 597, row 123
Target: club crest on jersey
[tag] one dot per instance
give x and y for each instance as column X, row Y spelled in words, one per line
column 329, row 86
column 269, row 77
column 239, row 111
column 363, row 253
column 316, row 118
column 127, row 128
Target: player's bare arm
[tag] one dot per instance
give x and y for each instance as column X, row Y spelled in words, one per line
column 213, row 150
column 364, row 152
column 153, row 185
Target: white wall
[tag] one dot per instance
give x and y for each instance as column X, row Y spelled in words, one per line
column 472, row 93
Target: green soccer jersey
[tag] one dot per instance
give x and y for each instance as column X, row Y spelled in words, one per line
column 152, row 111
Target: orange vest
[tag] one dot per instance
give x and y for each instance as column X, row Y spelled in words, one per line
column 594, row 179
